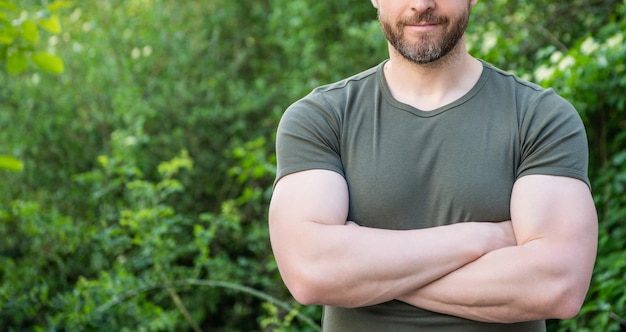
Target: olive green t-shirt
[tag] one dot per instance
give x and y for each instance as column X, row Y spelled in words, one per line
column 410, row 169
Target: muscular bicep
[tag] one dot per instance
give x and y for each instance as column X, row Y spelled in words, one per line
column 303, row 206
column 556, row 208
column 319, row 196
column 554, row 218
column 301, row 202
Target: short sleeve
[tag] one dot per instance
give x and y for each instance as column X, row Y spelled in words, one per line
column 553, row 139
column 308, row 137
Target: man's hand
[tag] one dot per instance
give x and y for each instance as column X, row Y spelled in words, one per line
column 504, row 236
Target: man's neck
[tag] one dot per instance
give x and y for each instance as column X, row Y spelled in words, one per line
column 433, row 85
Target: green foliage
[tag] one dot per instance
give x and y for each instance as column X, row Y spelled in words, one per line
column 19, row 41
column 101, row 234
column 280, row 322
column 20, row 35
column 519, row 34
column 143, row 265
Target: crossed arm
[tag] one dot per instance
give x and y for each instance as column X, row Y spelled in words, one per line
column 537, row 266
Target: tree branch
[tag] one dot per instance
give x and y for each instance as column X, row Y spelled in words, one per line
column 204, row 283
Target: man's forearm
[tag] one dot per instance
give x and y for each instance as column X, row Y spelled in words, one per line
column 352, row 266
column 513, row 284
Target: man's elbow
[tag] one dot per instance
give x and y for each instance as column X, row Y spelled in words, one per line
column 568, row 301
column 569, row 285
column 323, row 289
column 569, row 306
column 306, row 289
column 305, row 297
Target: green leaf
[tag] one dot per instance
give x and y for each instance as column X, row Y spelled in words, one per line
column 16, row 63
column 30, row 31
column 7, row 5
column 51, row 24
column 11, row 164
column 60, row 5
column 7, row 35
column 48, row 62
column 6, row 39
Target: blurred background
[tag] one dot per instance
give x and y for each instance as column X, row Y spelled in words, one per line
column 137, row 157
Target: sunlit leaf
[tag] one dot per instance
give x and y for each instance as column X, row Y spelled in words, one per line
column 11, row 164
column 48, row 62
column 16, row 63
column 7, row 5
column 6, row 39
column 30, row 31
column 60, row 5
column 51, row 24
column 7, row 35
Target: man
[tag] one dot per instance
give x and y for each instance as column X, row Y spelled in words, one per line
column 433, row 192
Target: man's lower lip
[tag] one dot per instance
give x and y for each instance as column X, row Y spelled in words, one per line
column 422, row 28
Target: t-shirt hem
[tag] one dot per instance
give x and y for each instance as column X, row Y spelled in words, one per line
column 306, row 167
column 570, row 173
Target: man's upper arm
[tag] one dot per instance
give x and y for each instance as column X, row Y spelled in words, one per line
column 319, row 196
column 301, row 203
column 559, row 207
column 559, row 213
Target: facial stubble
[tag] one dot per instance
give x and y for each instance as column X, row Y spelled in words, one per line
column 429, row 48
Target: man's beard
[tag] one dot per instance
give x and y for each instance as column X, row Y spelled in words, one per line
column 427, row 49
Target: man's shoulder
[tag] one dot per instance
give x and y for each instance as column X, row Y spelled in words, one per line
column 353, row 83
column 500, row 75
column 333, row 98
column 527, row 92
